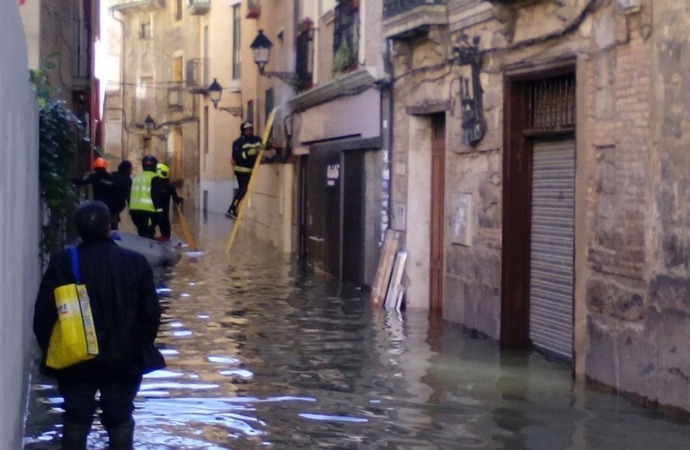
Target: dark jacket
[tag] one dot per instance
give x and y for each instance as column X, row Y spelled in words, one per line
column 245, row 149
column 123, row 186
column 104, row 188
column 125, row 307
column 167, row 190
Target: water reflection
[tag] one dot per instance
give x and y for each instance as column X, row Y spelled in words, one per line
column 260, row 355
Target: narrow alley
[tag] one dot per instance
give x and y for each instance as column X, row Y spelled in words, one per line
column 262, row 356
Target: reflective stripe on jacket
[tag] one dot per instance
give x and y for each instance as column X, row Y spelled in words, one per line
column 245, row 150
column 140, row 198
column 243, row 169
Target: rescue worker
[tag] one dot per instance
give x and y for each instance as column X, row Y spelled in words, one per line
column 167, row 191
column 123, row 186
column 103, row 187
column 144, row 200
column 126, row 314
column 245, row 150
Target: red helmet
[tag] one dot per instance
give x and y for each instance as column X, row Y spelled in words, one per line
column 100, row 163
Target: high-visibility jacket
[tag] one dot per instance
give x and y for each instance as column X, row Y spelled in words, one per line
column 245, row 149
column 141, row 198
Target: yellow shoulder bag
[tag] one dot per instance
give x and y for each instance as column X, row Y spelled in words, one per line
column 73, row 339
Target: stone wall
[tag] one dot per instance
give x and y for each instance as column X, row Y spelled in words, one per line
column 649, row 329
column 19, row 225
column 618, row 203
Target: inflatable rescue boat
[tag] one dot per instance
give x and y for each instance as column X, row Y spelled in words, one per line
column 165, row 254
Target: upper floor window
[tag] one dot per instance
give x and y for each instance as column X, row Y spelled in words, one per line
column 346, row 36
column 145, row 30
column 304, row 58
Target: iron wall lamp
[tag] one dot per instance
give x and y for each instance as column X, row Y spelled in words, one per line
column 469, row 60
column 149, row 124
column 215, row 92
column 261, row 49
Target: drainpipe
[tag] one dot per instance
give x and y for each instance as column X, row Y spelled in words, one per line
column 387, row 134
column 123, row 134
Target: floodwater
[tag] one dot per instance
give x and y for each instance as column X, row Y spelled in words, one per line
column 263, row 356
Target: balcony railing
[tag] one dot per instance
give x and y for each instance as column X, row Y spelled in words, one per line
column 410, row 18
column 395, row 7
column 138, row 5
column 199, row 7
column 176, row 97
column 197, row 75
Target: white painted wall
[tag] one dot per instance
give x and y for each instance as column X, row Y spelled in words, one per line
column 19, row 223
column 219, row 195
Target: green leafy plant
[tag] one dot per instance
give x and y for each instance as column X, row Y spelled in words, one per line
column 345, row 58
column 59, row 129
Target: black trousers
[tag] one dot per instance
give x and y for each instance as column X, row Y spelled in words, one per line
column 145, row 221
column 164, row 223
column 116, row 400
column 114, row 221
column 243, row 183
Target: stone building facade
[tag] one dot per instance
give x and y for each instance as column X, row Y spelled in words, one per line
column 158, row 42
column 554, row 214
column 341, row 136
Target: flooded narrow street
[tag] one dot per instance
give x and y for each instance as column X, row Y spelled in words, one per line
column 261, row 356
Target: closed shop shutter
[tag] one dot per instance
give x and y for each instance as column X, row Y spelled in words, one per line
column 552, row 247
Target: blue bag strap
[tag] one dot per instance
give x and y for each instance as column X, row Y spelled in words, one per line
column 74, row 258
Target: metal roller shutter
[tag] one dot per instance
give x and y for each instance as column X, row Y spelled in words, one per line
column 552, row 244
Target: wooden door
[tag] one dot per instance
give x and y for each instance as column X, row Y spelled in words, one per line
column 438, row 168
column 324, row 211
column 353, row 217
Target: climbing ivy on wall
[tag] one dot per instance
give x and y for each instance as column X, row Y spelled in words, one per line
column 59, row 130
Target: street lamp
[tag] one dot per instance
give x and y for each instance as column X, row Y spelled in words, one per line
column 215, row 91
column 149, row 124
column 261, row 48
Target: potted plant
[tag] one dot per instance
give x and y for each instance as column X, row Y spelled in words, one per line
column 306, row 26
column 253, row 9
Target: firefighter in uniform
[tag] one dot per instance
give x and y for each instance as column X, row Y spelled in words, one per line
column 167, row 191
column 144, row 200
column 245, row 150
column 104, row 188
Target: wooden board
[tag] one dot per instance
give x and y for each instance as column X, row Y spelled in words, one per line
column 187, row 231
column 394, row 287
column 383, row 271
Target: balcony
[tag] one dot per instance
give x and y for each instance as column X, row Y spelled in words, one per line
column 198, row 7
column 176, row 97
column 406, row 19
column 197, row 76
column 126, row 6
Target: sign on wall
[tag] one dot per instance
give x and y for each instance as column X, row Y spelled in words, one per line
column 461, row 219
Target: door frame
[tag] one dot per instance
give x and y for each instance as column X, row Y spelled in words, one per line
column 518, row 146
column 437, row 214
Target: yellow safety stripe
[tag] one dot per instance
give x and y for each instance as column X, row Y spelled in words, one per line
column 243, row 169
column 251, row 148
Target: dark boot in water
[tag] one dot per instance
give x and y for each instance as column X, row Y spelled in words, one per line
column 74, row 436
column 121, row 437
